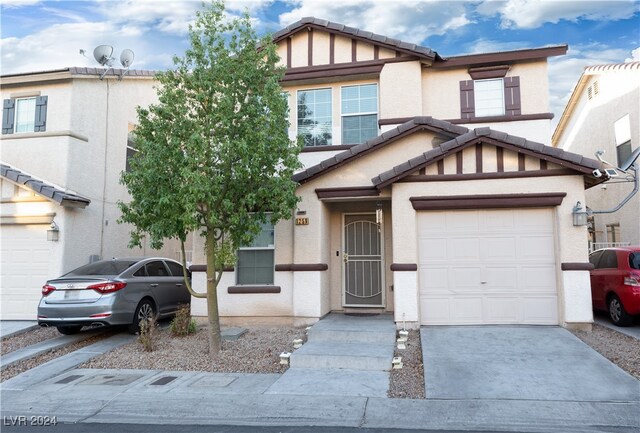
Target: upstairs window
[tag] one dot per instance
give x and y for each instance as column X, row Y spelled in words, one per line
column 314, row 117
column 27, row 114
column 359, row 113
column 256, row 261
column 622, row 132
column 132, row 151
column 489, row 97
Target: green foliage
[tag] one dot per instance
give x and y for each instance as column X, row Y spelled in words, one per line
column 182, row 324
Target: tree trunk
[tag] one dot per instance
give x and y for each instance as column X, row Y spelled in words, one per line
column 215, row 341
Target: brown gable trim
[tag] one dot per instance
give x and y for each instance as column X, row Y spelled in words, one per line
column 310, row 48
column 543, row 164
column 253, row 289
column 302, row 267
column 570, row 266
column 521, row 162
column 489, row 72
column 404, row 267
column 500, row 158
column 354, row 50
column 289, row 53
column 478, row 157
column 332, row 48
column 459, row 162
column 497, row 201
column 501, row 57
column 327, row 148
column 376, row 52
column 427, row 55
column 357, row 191
column 340, row 69
column 506, row 118
column 440, row 167
column 485, row 176
column 203, row 268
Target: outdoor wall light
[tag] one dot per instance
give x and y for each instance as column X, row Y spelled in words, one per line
column 579, row 215
column 53, row 234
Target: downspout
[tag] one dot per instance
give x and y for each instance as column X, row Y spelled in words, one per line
column 104, row 179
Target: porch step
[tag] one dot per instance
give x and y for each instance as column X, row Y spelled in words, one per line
column 345, row 355
column 342, row 328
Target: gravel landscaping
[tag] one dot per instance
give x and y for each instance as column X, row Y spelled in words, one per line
column 10, row 344
column 621, row 349
column 408, row 382
column 257, row 351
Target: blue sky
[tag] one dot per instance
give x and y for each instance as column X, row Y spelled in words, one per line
column 42, row 35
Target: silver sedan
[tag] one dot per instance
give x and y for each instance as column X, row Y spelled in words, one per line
column 113, row 292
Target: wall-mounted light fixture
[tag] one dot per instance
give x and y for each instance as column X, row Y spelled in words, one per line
column 53, row 234
column 580, row 215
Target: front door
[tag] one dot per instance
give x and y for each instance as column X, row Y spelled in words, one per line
column 363, row 276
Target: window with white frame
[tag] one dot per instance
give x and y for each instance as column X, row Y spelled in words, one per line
column 489, row 97
column 359, row 113
column 24, row 114
column 314, row 117
column 622, row 132
column 256, row 261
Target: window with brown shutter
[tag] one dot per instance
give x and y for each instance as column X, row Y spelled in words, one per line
column 467, row 103
column 512, row 102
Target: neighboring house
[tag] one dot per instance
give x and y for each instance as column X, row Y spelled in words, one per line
column 603, row 113
column 400, row 212
column 64, row 143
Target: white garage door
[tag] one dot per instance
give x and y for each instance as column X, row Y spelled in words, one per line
column 25, row 264
column 487, row 267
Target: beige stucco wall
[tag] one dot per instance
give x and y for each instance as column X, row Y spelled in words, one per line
column 591, row 128
column 400, row 85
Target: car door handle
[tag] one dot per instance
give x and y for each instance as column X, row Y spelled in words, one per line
column 154, row 285
column 178, row 285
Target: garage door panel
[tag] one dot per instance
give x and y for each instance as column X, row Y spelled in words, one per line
column 432, row 223
column 482, row 267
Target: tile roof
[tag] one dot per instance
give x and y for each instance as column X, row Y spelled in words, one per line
column 413, row 125
column 376, row 39
column 577, row 162
column 42, row 188
column 77, row 70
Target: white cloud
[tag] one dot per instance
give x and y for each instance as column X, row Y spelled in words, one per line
column 492, row 46
column 411, row 21
column 635, row 56
column 529, row 14
column 18, row 3
column 564, row 71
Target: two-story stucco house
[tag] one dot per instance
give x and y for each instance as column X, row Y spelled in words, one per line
column 603, row 113
column 64, row 143
column 429, row 190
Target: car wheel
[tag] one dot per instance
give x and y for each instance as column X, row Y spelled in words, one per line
column 617, row 313
column 69, row 330
column 144, row 311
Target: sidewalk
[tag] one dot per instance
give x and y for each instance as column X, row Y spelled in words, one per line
column 195, row 398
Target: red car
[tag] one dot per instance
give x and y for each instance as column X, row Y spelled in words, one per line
column 615, row 283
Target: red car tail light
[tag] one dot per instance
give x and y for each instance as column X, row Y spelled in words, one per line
column 632, row 280
column 108, row 287
column 100, row 315
column 47, row 289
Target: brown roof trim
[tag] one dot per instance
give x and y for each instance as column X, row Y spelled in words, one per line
column 570, row 160
column 506, row 118
column 407, row 128
column 489, row 201
column 501, row 57
column 492, row 119
column 349, row 191
column 42, row 188
column 577, row 266
column 302, row 267
column 404, row 267
column 482, row 73
column 484, row 176
column 253, row 289
column 326, row 148
column 203, row 268
column 366, row 68
column 424, row 53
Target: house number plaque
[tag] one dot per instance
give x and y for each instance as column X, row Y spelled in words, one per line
column 302, row 221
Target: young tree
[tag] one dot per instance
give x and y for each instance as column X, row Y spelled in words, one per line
column 214, row 154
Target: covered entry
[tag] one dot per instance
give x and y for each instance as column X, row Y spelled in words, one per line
column 487, row 267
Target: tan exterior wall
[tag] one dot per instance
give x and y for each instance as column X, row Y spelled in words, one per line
column 400, row 85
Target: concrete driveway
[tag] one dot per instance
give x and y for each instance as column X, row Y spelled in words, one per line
column 519, row 363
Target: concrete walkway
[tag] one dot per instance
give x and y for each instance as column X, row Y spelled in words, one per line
column 9, row 328
column 532, row 363
column 344, row 355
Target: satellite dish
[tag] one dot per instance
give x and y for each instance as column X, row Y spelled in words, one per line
column 102, row 54
column 126, row 57
column 629, row 162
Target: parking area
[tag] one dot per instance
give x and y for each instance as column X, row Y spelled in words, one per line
column 519, row 363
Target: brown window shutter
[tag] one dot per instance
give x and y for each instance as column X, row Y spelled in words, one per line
column 8, row 115
column 512, row 103
column 41, row 114
column 467, row 105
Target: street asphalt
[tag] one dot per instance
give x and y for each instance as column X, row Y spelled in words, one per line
column 459, row 363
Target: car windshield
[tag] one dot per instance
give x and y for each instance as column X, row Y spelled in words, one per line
column 106, row 267
column 634, row 260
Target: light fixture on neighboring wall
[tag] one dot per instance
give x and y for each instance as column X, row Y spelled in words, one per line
column 53, row 234
column 580, row 215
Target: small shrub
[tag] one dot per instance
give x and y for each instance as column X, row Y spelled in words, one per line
column 183, row 324
column 148, row 334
